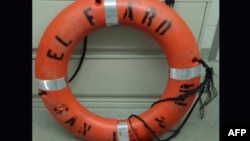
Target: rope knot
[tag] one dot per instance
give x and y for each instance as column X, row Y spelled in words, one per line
column 209, row 71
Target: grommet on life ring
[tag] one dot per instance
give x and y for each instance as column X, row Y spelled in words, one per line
column 81, row 18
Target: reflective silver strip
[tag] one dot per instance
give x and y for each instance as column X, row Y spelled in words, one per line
column 122, row 129
column 111, row 12
column 185, row 74
column 52, row 85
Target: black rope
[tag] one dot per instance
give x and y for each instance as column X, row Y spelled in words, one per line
column 145, row 125
column 207, row 86
column 170, row 2
column 179, row 98
column 81, row 59
column 152, row 132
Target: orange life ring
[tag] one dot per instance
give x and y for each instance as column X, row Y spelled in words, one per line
column 81, row 18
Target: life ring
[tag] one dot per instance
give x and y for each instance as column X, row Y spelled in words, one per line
column 81, row 18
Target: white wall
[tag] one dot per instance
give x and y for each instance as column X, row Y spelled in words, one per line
column 210, row 24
